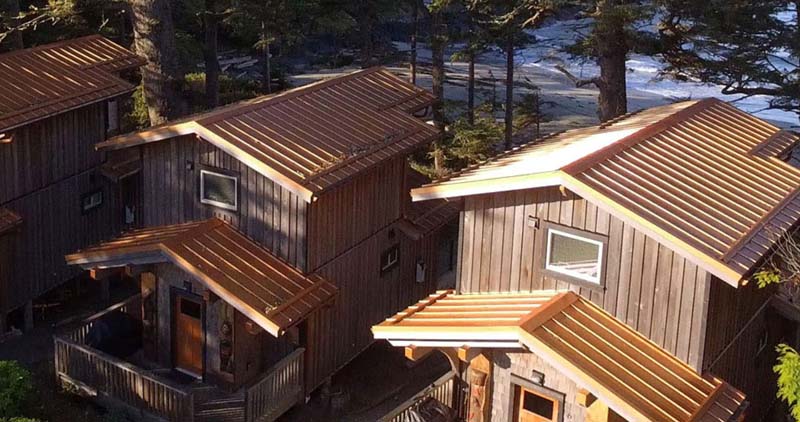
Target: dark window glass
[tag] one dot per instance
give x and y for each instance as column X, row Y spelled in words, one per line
column 218, row 189
column 537, row 404
column 390, row 258
column 190, row 308
column 91, row 201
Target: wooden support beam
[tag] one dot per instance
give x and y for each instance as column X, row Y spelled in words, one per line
column 597, row 411
column 104, row 273
column 585, row 398
column 252, row 328
column 416, row 353
column 467, row 354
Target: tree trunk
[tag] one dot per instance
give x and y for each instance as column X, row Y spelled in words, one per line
column 155, row 40
column 509, row 132
column 414, row 32
column 266, row 77
column 367, row 24
column 471, row 89
column 10, row 8
column 438, row 41
column 612, row 51
column 211, row 24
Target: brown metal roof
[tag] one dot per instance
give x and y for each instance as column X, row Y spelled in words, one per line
column 93, row 51
column 9, row 220
column 629, row 373
column 268, row 290
column 427, row 216
column 311, row 138
column 690, row 175
column 40, row 82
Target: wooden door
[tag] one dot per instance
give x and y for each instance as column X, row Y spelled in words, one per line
column 531, row 406
column 188, row 335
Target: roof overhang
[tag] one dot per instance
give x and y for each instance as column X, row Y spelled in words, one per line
column 561, row 178
column 196, row 129
column 242, row 286
column 626, row 371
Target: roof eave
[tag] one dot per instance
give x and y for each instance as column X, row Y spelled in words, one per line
column 501, row 184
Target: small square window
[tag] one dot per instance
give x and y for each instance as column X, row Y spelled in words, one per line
column 390, row 258
column 91, row 201
column 219, row 190
column 575, row 255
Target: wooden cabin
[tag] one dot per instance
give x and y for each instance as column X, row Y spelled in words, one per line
column 272, row 234
column 603, row 272
column 56, row 102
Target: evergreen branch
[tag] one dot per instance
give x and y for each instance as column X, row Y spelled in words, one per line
column 579, row 83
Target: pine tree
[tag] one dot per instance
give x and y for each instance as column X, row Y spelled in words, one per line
column 161, row 76
column 9, row 13
column 612, row 37
column 743, row 45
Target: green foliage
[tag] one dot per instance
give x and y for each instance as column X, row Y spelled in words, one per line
column 475, row 142
column 19, row 419
column 16, row 388
column 768, row 277
column 788, row 370
column 230, row 89
column 136, row 117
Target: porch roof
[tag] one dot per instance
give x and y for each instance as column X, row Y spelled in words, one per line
column 266, row 289
column 632, row 375
column 8, row 220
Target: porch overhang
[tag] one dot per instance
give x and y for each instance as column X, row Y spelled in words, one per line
column 633, row 376
column 266, row 289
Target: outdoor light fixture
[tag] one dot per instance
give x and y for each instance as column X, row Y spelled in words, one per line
column 537, row 377
column 533, row 222
column 189, row 165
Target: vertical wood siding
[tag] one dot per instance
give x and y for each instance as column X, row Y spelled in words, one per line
column 53, row 226
column 50, row 150
column 43, row 174
column 648, row 286
column 268, row 213
column 337, row 334
column 737, row 319
column 345, row 216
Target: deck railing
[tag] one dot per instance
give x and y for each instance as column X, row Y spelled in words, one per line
column 443, row 390
column 107, row 375
column 279, row 389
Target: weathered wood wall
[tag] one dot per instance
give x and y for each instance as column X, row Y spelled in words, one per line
column 43, row 174
column 647, row 285
column 340, row 219
column 45, row 152
column 335, row 335
column 737, row 320
column 270, row 214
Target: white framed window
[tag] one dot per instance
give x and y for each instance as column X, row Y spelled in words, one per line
column 219, row 190
column 577, row 256
column 91, row 201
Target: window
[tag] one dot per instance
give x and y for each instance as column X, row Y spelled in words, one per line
column 534, row 406
column 219, row 190
column 112, row 117
column 91, row 201
column 576, row 255
column 389, row 258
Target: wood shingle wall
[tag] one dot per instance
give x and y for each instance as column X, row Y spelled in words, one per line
column 655, row 291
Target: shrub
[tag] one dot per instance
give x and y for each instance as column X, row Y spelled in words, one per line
column 19, row 419
column 16, row 387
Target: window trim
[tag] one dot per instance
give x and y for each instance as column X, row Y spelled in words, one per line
column 218, row 204
column 394, row 264
column 93, row 207
column 578, row 234
column 523, row 383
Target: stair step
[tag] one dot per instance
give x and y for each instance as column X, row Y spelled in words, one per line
column 220, row 415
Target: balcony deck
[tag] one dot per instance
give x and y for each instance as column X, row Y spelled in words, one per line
column 156, row 393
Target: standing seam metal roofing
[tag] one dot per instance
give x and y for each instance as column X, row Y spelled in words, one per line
column 702, row 176
column 265, row 288
column 40, row 82
column 313, row 137
column 628, row 372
